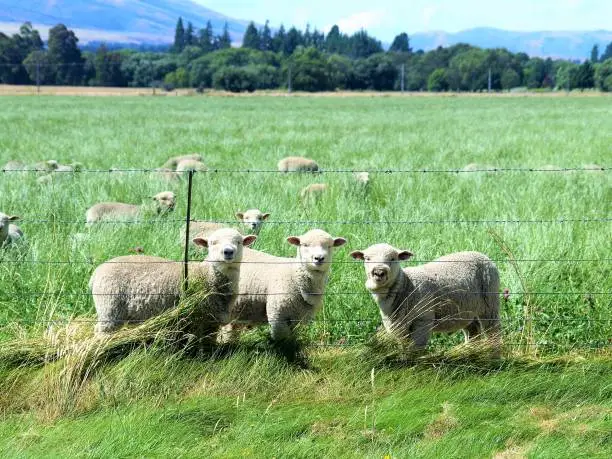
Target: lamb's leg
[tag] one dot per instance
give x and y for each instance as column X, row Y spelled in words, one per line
column 420, row 332
column 473, row 330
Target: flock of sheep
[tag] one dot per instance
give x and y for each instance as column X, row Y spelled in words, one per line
column 250, row 287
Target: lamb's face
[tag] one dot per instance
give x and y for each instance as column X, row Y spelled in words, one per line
column 382, row 264
column 315, row 249
column 166, row 200
column 252, row 219
column 5, row 221
column 225, row 246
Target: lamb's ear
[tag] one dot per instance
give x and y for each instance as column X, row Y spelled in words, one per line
column 200, row 242
column 357, row 255
column 404, row 254
column 239, row 215
column 265, row 216
column 13, row 218
column 248, row 240
column 339, row 241
column 293, row 240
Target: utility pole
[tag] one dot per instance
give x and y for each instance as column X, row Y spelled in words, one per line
column 289, row 81
column 403, row 74
column 489, row 82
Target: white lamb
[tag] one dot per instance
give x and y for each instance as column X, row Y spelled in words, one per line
column 283, row 292
column 164, row 202
column 9, row 233
column 297, row 164
column 173, row 162
column 459, row 291
column 187, row 165
column 134, row 288
column 252, row 219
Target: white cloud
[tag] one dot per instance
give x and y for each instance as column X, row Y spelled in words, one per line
column 358, row 21
column 427, row 15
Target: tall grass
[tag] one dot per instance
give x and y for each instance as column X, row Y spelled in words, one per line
column 139, row 394
column 380, row 133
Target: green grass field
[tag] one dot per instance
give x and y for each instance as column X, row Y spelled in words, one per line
column 548, row 231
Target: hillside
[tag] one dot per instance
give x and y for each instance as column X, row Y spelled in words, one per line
column 153, row 22
column 555, row 44
column 117, row 20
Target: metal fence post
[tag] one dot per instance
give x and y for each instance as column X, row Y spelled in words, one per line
column 403, row 76
column 187, row 221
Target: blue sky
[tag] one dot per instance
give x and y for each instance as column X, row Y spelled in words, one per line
column 386, row 18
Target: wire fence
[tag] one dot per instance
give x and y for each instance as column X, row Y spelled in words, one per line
column 349, row 339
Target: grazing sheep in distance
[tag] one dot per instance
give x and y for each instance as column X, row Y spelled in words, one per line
column 362, row 178
column 164, row 202
column 9, row 233
column 313, row 191
column 187, row 165
column 252, row 219
column 283, row 292
column 14, row 165
column 134, row 288
column 297, row 164
column 173, row 162
column 459, row 291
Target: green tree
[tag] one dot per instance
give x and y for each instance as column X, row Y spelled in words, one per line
column 224, row 41
column 292, row 41
column 340, row 71
column 401, row 44
column 308, row 70
column 437, row 81
column 362, row 45
column 603, row 75
column 266, row 38
column 206, row 40
column 585, row 76
column 279, row 39
column 38, row 64
column 190, row 38
column 65, row 56
column 178, row 78
column 334, row 41
column 251, row 37
column 510, row 79
column 107, row 65
column 179, row 36
column 595, row 54
column 607, row 54
column 565, row 75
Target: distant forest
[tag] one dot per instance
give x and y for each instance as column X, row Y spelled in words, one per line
column 302, row 60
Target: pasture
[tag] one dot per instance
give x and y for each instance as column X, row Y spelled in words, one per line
column 549, row 232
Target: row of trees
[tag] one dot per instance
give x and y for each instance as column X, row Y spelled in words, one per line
column 309, row 61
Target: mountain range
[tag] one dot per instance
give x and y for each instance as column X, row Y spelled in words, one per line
column 153, row 22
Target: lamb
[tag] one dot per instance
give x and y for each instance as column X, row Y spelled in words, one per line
column 459, row 291
column 164, row 202
column 283, row 291
column 187, row 165
column 173, row 162
column 252, row 219
column 313, row 191
column 9, row 233
column 297, row 164
column 134, row 288
column 14, row 165
column 362, row 178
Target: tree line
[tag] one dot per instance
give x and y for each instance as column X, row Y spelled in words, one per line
column 307, row 60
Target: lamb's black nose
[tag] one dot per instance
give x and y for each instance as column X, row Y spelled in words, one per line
column 319, row 258
column 228, row 252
